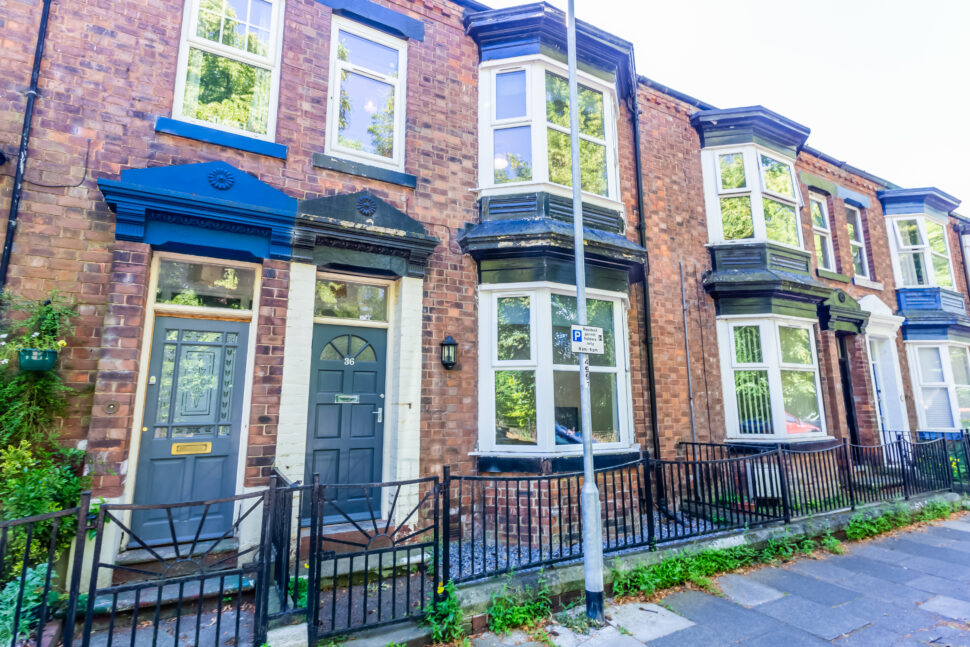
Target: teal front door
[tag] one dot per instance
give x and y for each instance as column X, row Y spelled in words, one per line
column 345, row 435
column 191, row 429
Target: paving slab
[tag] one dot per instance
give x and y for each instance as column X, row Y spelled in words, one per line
column 943, row 634
column 646, row 622
column 610, row 636
column 957, row 524
column 873, row 550
column 941, row 553
column 941, row 586
column 745, row 591
column 861, row 582
column 809, row 588
column 949, row 607
column 872, row 636
column 875, row 568
column 696, row 635
column 823, row 621
column 937, row 567
column 786, row 637
column 731, row 621
column 895, row 618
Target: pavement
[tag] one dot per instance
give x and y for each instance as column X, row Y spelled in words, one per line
column 907, row 589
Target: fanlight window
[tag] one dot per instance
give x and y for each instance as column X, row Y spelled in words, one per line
column 349, row 349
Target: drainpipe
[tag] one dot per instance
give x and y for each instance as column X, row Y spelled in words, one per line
column 18, row 181
column 642, row 224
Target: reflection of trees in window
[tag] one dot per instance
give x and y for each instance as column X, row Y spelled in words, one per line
column 517, row 170
column 754, row 402
column 592, row 155
column 736, row 221
column 227, row 92
column 598, row 313
column 777, row 177
column 780, row 222
column 382, row 129
column 515, row 407
column 732, row 171
column 801, row 400
column 350, row 300
column 514, row 341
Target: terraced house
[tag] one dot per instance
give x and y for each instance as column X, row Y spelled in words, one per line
column 334, row 237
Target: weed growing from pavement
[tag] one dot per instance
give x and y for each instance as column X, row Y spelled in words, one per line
column 445, row 617
column 514, row 608
column 862, row 526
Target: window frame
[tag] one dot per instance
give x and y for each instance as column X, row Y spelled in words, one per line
column 768, row 326
column 754, row 189
column 924, row 250
column 825, row 234
column 273, row 62
column 536, row 68
column 332, row 145
column 949, row 381
column 857, row 244
column 541, row 363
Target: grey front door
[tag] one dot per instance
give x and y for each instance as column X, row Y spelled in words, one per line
column 191, row 429
column 345, row 435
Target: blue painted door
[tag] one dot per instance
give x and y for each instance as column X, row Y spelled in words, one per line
column 345, row 435
column 192, row 427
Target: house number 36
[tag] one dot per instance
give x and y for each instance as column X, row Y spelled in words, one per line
column 349, row 361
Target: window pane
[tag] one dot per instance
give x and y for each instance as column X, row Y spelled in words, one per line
column 858, row 260
column 911, row 264
column 514, row 332
column 958, row 361
column 366, row 53
column 754, row 402
column 590, row 106
column 510, row 94
column 732, row 171
column 818, row 214
column 222, row 91
column 513, row 154
column 930, row 365
column 796, row 347
column 936, row 408
column 736, row 222
column 909, row 232
column 963, row 401
column 598, row 313
column 366, row 114
column 780, row 222
column 204, row 284
column 747, row 345
column 822, row 252
column 350, row 300
column 592, row 163
column 801, row 402
column 854, row 224
column 937, row 237
column 237, row 23
column 777, row 176
column 604, row 411
column 515, row 408
column 941, row 271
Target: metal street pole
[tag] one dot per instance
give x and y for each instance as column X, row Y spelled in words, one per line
column 592, row 525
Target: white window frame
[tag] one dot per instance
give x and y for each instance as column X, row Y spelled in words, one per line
column 853, row 212
column 754, row 187
column 768, row 326
column 948, row 383
column 923, row 249
column 272, row 62
column 540, row 294
column 824, row 234
column 536, row 68
column 332, row 145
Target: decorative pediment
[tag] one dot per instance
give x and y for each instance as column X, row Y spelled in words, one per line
column 361, row 231
column 843, row 313
column 211, row 208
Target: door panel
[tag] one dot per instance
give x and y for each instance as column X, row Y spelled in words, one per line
column 196, row 374
column 346, row 418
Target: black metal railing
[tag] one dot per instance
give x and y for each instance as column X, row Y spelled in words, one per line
column 818, row 480
column 288, row 552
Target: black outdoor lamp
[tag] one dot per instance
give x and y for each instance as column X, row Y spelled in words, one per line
column 449, row 353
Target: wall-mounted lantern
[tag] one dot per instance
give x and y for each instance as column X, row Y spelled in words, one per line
column 449, row 353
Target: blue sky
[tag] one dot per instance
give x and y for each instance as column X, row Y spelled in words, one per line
column 883, row 84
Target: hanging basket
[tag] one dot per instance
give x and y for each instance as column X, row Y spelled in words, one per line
column 37, row 360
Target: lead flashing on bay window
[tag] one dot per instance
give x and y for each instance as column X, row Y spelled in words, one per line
column 771, row 379
column 518, row 121
column 524, row 348
column 751, row 196
column 214, row 35
column 920, row 251
column 368, row 74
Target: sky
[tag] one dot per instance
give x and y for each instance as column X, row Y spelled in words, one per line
column 883, row 84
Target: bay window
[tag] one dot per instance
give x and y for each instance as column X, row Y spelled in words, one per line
column 229, row 63
column 818, row 205
column 751, row 196
column 529, row 377
column 857, row 241
column 922, row 253
column 770, row 378
column 524, row 126
column 942, row 376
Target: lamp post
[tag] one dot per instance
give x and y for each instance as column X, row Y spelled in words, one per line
column 592, row 524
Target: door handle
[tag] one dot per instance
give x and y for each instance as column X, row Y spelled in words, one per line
column 380, row 414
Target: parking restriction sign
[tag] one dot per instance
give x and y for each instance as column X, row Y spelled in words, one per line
column 586, row 339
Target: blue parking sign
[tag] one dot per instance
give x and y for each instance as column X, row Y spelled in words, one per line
column 578, row 334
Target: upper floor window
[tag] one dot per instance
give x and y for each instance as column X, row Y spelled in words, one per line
column 818, row 205
column 228, row 70
column 368, row 71
column 922, row 254
column 752, row 196
column 770, row 378
column 524, row 126
column 857, row 241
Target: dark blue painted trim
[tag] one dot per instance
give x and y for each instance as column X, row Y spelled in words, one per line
column 378, row 17
column 219, row 137
column 853, row 198
column 906, row 201
column 364, row 170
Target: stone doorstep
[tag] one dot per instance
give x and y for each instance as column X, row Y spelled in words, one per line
column 170, row 594
column 145, row 556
